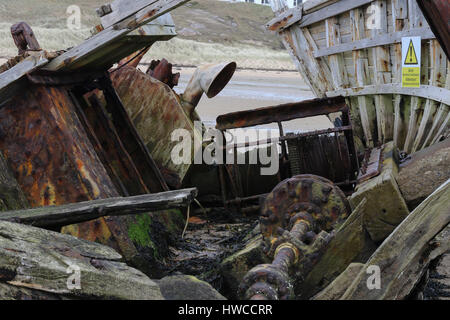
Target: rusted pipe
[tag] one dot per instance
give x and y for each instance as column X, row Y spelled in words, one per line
column 286, row 255
column 209, row 79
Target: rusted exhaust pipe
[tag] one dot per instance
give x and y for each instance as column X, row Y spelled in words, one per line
column 209, row 79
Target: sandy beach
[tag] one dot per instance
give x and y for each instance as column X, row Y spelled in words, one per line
column 249, row 89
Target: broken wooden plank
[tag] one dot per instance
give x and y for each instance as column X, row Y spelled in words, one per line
column 37, row 263
column 51, row 216
column 404, row 255
column 100, row 51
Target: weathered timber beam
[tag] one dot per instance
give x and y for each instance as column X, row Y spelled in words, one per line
column 96, row 52
column 38, row 264
column 89, row 210
column 332, row 10
column 379, row 40
column 9, row 78
column 404, row 256
column 284, row 112
column 122, row 9
column 425, row 91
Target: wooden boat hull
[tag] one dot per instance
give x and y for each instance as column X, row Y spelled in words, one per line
column 353, row 48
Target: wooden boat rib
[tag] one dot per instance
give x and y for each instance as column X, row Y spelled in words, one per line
column 353, row 48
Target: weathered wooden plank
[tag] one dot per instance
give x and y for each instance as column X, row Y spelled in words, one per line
column 122, row 9
column 442, row 129
column 89, row 210
column 438, row 66
column 49, row 262
column 440, row 114
column 316, row 74
column 361, row 71
column 314, row 5
column 399, row 10
column 401, row 104
column 405, row 254
column 415, row 15
column 350, row 244
column 338, row 287
column 402, row 109
column 332, row 10
column 96, row 52
column 438, row 120
column 417, row 104
column 336, row 61
column 9, row 78
column 386, row 207
column 382, row 75
column 425, row 91
column 377, row 40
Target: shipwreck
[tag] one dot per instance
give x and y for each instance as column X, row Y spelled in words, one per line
column 88, row 184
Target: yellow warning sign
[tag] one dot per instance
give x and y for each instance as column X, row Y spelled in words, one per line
column 411, row 77
column 411, row 56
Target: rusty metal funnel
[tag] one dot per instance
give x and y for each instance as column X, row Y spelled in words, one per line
column 209, row 79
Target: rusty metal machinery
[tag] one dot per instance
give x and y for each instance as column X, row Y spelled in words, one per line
column 330, row 153
column 297, row 220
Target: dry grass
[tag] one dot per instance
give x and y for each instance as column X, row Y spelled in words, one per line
column 223, row 31
column 189, row 52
